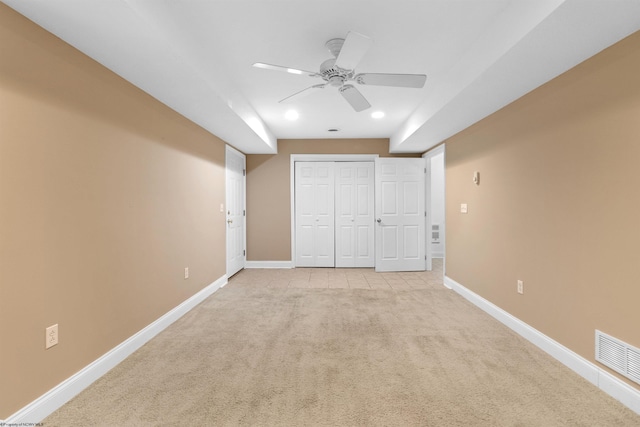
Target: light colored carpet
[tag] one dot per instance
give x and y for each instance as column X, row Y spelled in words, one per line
column 252, row 355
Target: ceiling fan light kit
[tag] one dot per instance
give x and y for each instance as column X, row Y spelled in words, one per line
column 340, row 70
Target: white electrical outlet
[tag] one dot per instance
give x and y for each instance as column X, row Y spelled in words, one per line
column 520, row 287
column 186, row 272
column 463, row 208
column 51, row 336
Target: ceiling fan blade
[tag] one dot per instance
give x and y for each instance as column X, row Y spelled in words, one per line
column 286, row 69
column 396, row 80
column 354, row 97
column 302, row 93
column 354, row 48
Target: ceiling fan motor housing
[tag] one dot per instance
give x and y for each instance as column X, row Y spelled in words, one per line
column 333, row 75
column 334, row 46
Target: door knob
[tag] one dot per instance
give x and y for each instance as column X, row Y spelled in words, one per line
column 229, row 221
column 378, row 220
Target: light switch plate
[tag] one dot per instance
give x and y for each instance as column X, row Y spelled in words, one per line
column 463, row 208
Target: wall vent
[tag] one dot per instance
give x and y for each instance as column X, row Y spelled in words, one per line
column 618, row 355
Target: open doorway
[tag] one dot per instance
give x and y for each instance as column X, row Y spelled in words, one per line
column 435, row 189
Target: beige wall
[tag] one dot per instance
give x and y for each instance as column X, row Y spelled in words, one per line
column 105, row 196
column 269, row 195
column 558, row 204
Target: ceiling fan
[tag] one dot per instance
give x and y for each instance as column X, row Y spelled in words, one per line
column 340, row 70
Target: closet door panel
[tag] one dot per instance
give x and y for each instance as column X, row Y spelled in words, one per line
column 314, row 214
column 354, row 214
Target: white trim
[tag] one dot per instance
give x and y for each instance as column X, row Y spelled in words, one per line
column 597, row 376
column 333, row 157
column 429, row 212
column 435, row 151
column 619, row 390
column 52, row 400
column 315, row 158
column 235, row 150
column 269, row 264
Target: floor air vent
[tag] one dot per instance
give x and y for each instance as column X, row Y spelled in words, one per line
column 618, row 355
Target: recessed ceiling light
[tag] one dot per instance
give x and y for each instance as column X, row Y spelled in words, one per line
column 377, row 114
column 291, row 115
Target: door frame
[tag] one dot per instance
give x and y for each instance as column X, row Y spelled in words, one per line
column 315, row 158
column 440, row 149
column 230, row 150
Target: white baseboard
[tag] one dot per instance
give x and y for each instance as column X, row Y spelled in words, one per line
column 608, row 383
column 49, row 402
column 268, row 264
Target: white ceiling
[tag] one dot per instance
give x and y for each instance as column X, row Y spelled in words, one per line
column 196, row 55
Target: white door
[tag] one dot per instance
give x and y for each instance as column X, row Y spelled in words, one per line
column 314, row 214
column 354, row 214
column 235, row 211
column 400, row 214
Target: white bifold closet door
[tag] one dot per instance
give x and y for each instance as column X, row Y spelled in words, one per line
column 314, row 214
column 354, row 214
column 334, row 214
